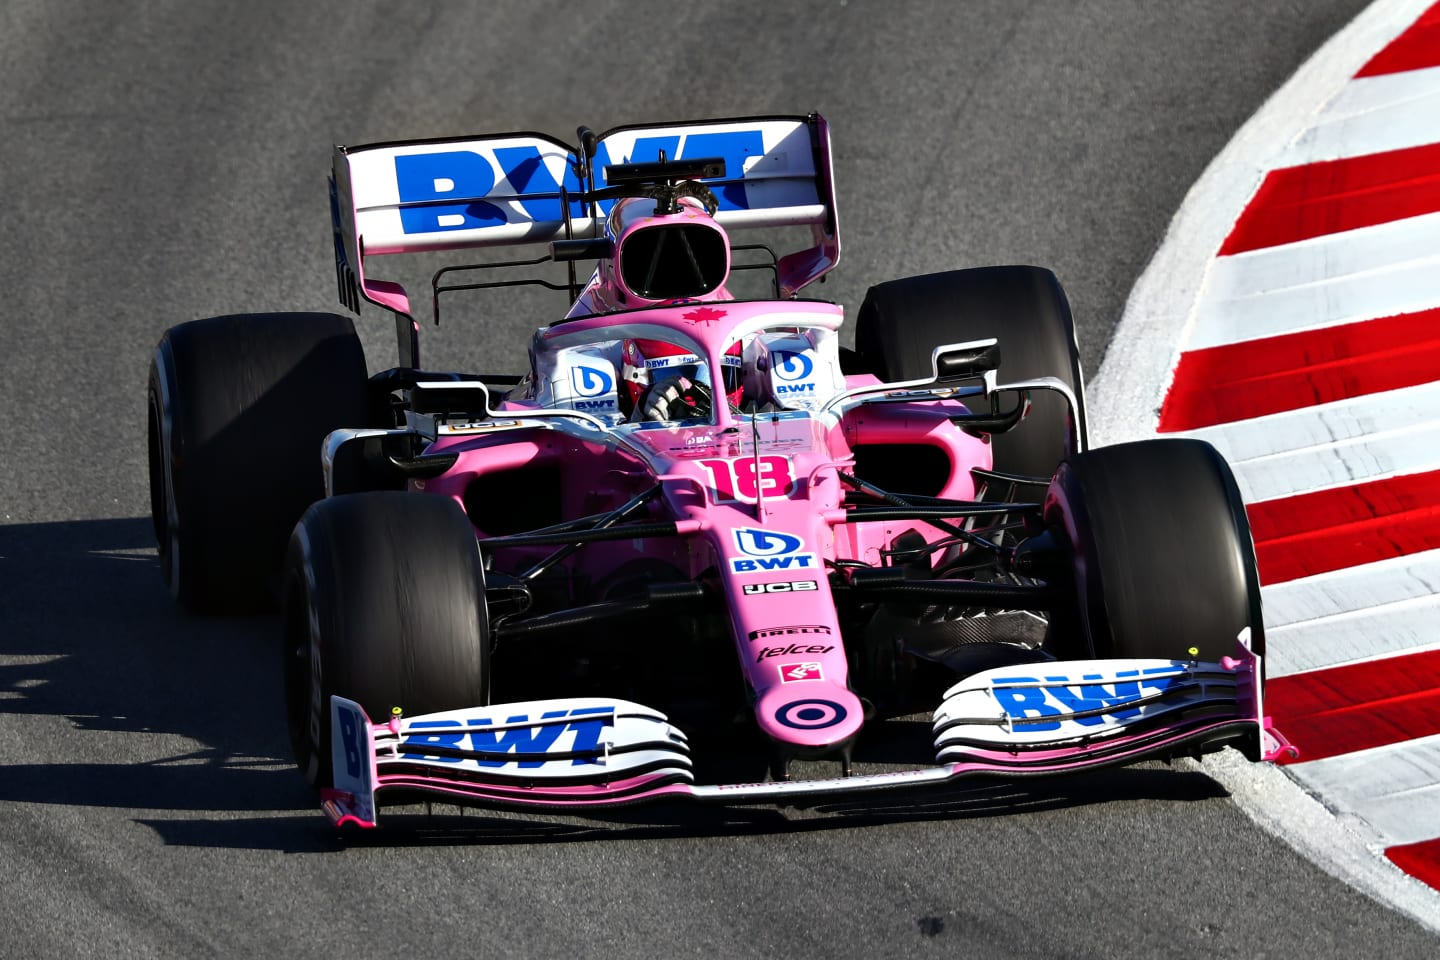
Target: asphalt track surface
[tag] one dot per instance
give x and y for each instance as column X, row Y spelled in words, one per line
column 166, row 161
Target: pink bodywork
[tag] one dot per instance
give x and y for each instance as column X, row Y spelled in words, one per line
column 758, row 506
column 799, row 495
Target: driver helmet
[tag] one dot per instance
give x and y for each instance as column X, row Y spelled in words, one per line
column 643, row 362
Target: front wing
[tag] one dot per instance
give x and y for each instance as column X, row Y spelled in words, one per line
column 1042, row 719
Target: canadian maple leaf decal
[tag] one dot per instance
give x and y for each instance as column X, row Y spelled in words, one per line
column 704, row 315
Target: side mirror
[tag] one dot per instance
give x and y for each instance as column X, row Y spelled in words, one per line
column 966, row 361
column 451, row 398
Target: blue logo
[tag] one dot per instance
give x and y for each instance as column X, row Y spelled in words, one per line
column 350, row 727
column 789, row 365
column 591, row 381
column 765, row 543
column 1035, row 705
column 425, row 180
column 771, row 551
column 525, row 746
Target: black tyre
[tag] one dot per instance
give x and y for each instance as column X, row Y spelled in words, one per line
column 238, row 406
column 1163, row 564
column 384, row 605
column 901, row 322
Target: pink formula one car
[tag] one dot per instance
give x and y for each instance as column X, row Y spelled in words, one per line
column 696, row 513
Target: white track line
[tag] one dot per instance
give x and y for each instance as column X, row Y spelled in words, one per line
column 1127, row 393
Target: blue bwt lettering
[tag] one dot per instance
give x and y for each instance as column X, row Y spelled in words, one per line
column 527, row 746
column 1033, row 703
column 426, row 180
column 795, row 561
column 1026, row 703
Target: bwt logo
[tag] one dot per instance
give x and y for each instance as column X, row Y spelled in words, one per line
column 523, row 746
column 771, row 550
column 679, row 360
column 584, row 405
column 765, row 543
column 591, row 381
column 425, row 180
column 1035, row 704
column 790, row 366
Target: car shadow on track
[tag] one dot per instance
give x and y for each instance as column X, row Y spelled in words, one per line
column 113, row 697
column 446, row 825
column 116, row 699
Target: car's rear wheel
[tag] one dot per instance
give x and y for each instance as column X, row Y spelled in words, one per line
column 901, row 322
column 384, row 605
column 237, row 408
column 1162, row 561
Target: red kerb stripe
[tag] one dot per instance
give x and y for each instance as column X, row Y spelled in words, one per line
column 1298, row 203
column 1420, row 860
column 1358, row 706
column 1344, row 527
column 1418, row 47
column 1238, row 381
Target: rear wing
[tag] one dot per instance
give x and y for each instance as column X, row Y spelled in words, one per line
column 522, row 188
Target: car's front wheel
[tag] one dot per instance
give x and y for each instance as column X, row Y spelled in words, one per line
column 1162, row 564
column 383, row 604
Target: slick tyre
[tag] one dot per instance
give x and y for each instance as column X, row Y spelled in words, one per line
column 901, row 322
column 383, row 604
column 1162, row 561
column 237, row 409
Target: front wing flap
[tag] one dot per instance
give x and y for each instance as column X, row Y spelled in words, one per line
column 1041, row 709
column 1040, row 719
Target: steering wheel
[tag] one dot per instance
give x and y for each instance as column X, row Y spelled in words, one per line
column 676, row 398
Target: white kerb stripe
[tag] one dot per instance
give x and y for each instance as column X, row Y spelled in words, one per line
column 1326, row 260
column 1407, row 626
column 1294, row 431
column 1375, row 457
column 1353, row 589
column 1363, row 274
column 1392, row 111
column 1394, row 788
